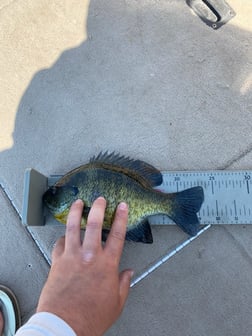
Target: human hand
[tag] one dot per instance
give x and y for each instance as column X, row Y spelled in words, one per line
column 84, row 286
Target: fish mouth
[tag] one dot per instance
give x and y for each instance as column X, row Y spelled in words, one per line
column 53, row 208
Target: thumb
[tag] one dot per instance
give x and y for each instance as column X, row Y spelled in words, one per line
column 124, row 285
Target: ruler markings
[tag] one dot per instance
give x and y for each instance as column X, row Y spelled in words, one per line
column 235, row 208
column 227, row 194
column 247, row 182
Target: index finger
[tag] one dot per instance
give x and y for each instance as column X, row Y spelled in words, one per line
column 116, row 238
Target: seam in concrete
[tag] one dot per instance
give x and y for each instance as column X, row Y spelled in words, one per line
column 7, row 195
column 39, row 246
column 15, row 208
column 237, row 158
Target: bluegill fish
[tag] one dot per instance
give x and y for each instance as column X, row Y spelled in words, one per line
column 117, row 179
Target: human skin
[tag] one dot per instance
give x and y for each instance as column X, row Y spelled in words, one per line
column 84, row 286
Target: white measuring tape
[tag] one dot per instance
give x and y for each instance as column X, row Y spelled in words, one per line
column 166, row 257
column 228, row 195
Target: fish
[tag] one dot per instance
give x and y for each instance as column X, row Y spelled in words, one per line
column 121, row 179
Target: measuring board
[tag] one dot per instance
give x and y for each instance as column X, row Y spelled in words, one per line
column 228, row 195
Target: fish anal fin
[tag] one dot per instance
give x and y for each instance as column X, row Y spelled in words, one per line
column 141, row 233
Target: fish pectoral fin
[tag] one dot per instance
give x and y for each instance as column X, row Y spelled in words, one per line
column 105, row 233
column 141, row 233
column 85, row 211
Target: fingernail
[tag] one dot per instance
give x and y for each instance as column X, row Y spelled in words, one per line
column 100, row 198
column 123, row 206
column 79, row 201
column 132, row 274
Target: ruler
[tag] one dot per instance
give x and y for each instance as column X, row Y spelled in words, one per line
column 228, row 195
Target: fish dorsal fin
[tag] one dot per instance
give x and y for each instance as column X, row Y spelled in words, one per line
column 140, row 171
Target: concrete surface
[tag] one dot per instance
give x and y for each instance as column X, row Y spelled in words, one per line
column 147, row 79
column 204, row 290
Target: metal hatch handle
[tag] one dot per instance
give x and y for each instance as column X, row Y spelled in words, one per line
column 215, row 13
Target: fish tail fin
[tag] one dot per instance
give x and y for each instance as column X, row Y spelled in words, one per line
column 186, row 205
